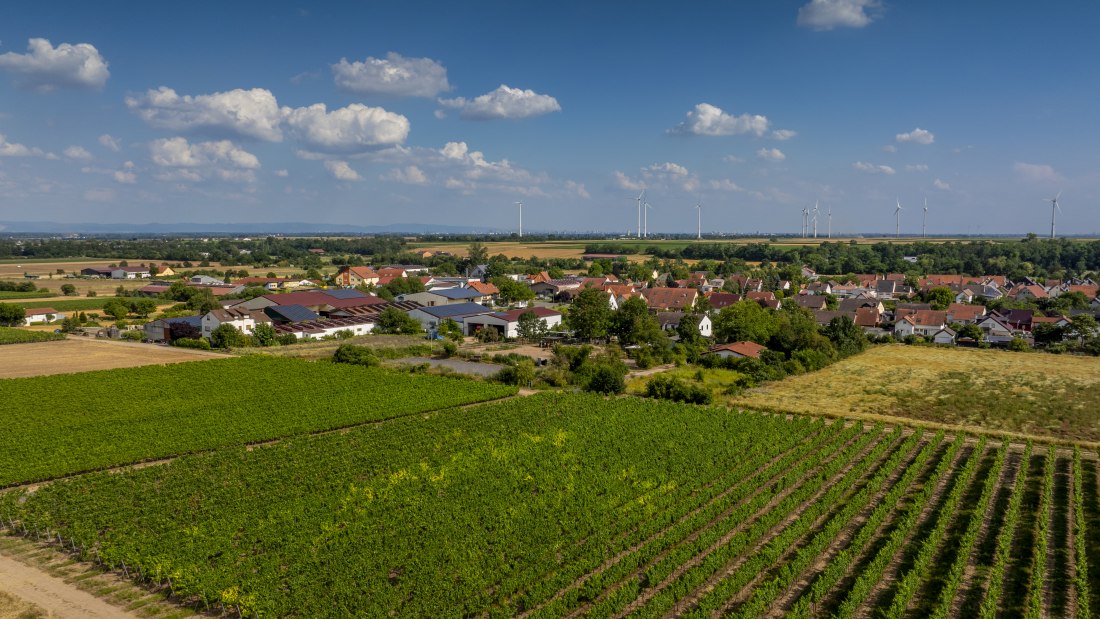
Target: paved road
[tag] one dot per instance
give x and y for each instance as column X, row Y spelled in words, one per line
column 462, row 367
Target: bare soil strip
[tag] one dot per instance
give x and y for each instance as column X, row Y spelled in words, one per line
column 746, row 592
column 800, row 586
column 692, row 599
column 890, row 575
column 642, row 544
column 725, row 539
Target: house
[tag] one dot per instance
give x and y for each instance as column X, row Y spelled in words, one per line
column 738, row 350
column 868, row 317
column 944, row 336
column 891, row 289
column 924, row 323
column 719, row 300
column 431, row 317
column 553, row 288
column 320, row 301
column 480, row 271
column 243, row 320
column 205, row 280
column 41, row 315
column 160, row 330
column 854, row 304
column 489, row 292
column 443, row 296
column 670, row 321
column 1024, row 292
column 964, row 314
column 507, row 323
column 670, row 299
column 326, row 327
column 994, row 329
column 350, row 277
column 811, row 301
column 129, row 272
column 152, row 290
column 817, row 288
column 824, row 317
column 164, row 271
column 1018, row 319
column 269, row 283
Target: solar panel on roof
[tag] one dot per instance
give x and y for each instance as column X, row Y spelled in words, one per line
column 291, row 313
column 456, row 309
column 345, row 293
column 457, row 293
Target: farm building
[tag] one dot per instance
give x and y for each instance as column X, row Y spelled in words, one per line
column 41, row 315
column 507, row 323
column 431, row 317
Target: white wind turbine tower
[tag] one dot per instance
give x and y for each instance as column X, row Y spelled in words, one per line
column 645, row 220
column 641, row 196
column 897, row 224
column 698, row 221
column 520, row 205
column 924, row 226
column 1054, row 207
column 830, row 222
column 815, row 219
column 805, row 216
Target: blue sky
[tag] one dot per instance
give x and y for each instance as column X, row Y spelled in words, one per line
column 449, row 113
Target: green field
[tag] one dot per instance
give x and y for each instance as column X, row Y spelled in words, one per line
column 10, row 335
column 7, row 295
column 574, row 505
column 63, row 424
column 76, row 304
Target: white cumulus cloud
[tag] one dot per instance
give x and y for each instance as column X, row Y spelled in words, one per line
column 503, row 103
column 1036, row 172
column 109, row 142
column 707, row 119
column 724, row 184
column 341, row 171
column 13, row 149
column 179, row 153
column 394, row 75
column 871, row 168
column 919, row 167
column 410, row 175
column 248, row 113
column 890, row 148
column 771, row 154
column 916, row 136
column 829, row 14
column 282, row 173
column 783, row 134
column 46, row 68
column 577, row 189
column 622, row 181
column 78, row 153
column 938, row 184
column 356, row 127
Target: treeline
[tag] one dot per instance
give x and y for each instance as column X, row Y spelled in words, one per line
column 1016, row 259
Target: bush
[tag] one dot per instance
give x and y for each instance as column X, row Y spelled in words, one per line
column 356, row 355
column 521, row 374
column 200, row 343
column 287, row 339
column 1018, row 344
column 133, row 335
column 672, row 388
column 449, row 348
column 607, row 378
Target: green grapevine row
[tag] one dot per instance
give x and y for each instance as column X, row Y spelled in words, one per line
column 1002, row 555
column 1037, row 586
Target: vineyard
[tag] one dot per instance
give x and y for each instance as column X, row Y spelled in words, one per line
column 65, row 424
column 10, row 335
column 568, row 505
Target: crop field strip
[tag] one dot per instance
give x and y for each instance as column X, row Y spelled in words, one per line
column 568, row 505
column 57, row 426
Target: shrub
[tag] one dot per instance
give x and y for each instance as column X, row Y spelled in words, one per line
column 200, row 343
column 449, row 348
column 134, row 335
column 672, row 388
column 607, row 378
column 356, row 355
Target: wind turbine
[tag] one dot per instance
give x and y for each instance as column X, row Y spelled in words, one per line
column 924, row 226
column 1054, row 207
column 897, row 224
column 645, row 220
column 805, row 215
column 641, row 196
column 830, row 222
column 699, row 221
column 815, row 219
column 520, row 204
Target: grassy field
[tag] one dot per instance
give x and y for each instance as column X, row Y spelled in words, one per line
column 1055, row 396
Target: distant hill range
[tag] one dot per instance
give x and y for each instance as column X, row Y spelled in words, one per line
column 53, row 227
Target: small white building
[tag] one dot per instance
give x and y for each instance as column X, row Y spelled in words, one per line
column 41, row 316
column 944, row 336
column 129, row 272
column 507, row 323
column 243, row 320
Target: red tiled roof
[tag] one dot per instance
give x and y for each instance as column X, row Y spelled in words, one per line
column 670, row 298
column 745, row 349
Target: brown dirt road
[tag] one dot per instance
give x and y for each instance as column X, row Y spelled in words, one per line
column 53, row 595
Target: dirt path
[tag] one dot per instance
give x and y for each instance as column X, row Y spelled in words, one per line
column 52, row 594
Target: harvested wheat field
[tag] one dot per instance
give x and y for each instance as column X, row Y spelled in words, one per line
column 87, row 354
column 1039, row 394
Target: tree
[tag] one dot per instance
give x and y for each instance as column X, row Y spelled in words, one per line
column 117, row 309
column 627, row 320
column 11, row 315
column 356, row 355
column 183, row 331
column 940, row 298
column 521, row 374
column 512, row 291
column 590, row 315
column 971, row 331
column 531, row 327
column 393, row 320
column 404, row 285
column 846, row 336
column 450, row 330
column 477, row 254
column 745, row 321
column 607, row 377
column 1018, row 344
column 1047, row 333
column 1084, row 327
column 228, row 336
column 264, row 335
column 143, row 307
column 68, row 290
